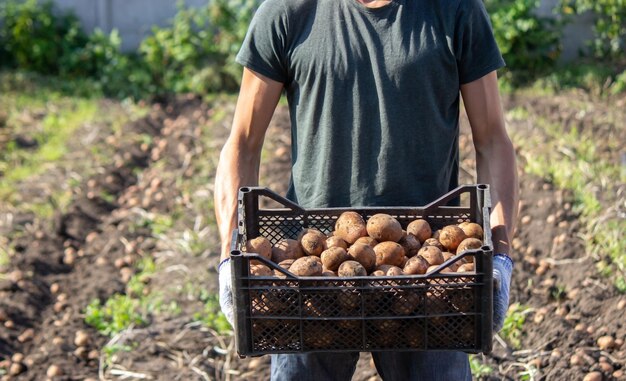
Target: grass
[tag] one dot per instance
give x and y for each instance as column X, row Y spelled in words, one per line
column 575, row 164
column 479, row 368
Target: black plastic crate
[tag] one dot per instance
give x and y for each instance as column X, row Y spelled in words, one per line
column 434, row 311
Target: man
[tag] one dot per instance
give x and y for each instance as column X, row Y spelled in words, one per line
column 374, row 90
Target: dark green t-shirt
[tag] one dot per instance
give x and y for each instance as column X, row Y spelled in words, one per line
column 373, row 93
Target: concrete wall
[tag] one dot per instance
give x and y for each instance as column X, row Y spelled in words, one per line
column 132, row 18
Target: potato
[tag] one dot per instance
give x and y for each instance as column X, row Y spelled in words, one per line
column 367, row 241
column 472, row 230
column 351, row 268
column 451, row 236
column 307, row 266
column 318, row 337
column 420, row 228
column 259, row 245
column 432, row 255
column 378, row 272
column 350, row 226
column 383, row 227
column 466, row 268
column 260, row 270
column 328, row 273
column 436, row 234
column 406, row 302
column 389, row 270
column 389, row 253
column 410, row 244
column 434, row 267
column 416, row 265
column 469, row 244
column 286, row 249
column 434, row 242
column 333, row 257
column 286, row 264
column 313, row 242
column 447, row 255
column 364, row 254
column 335, row 241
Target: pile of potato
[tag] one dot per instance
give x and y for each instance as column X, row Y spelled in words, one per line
column 378, row 247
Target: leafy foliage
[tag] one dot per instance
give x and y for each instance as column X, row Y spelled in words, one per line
column 529, row 43
column 118, row 313
column 610, row 25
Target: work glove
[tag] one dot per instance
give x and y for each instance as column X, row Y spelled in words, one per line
column 226, row 290
column 502, row 269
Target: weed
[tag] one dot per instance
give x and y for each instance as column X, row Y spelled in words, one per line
column 118, row 313
column 479, row 368
column 512, row 330
column 113, row 349
column 212, row 316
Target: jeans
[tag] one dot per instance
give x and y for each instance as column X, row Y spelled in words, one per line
column 391, row 366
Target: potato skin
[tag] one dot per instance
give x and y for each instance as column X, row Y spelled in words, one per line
column 334, row 241
column 410, row 244
column 416, row 265
column 260, row 270
column 313, row 242
column 259, row 245
column 451, row 236
column 420, row 228
column 447, row 255
column 383, row 227
column 350, row 226
column 366, row 241
column 333, row 257
column 350, row 269
column 469, row 244
column 286, row 264
column 434, row 242
column 286, row 249
column 472, row 230
column 432, row 255
column 307, row 266
column 364, row 254
column 466, row 268
column 389, row 253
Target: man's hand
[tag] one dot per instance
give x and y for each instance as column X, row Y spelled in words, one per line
column 502, row 269
column 226, row 290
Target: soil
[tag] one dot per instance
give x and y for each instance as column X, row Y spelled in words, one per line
column 87, row 251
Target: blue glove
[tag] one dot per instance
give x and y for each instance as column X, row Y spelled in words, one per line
column 502, row 269
column 226, row 290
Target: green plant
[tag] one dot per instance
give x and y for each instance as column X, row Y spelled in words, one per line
column 528, row 43
column 37, row 37
column 609, row 28
column 118, row 313
column 512, row 330
column 196, row 54
column 479, row 368
column 212, row 316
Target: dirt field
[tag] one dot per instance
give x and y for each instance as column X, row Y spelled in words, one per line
column 139, row 223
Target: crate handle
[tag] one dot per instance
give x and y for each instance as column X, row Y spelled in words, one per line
column 261, row 191
column 443, row 200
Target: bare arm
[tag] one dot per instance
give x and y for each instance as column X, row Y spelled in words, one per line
column 241, row 156
column 495, row 156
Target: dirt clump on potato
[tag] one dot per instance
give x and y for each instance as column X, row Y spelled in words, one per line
column 350, row 226
column 416, row 265
column 383, row 227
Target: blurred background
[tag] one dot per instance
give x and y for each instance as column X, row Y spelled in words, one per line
column 112, row 116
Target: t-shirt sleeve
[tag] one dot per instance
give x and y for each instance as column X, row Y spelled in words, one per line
column 264, row 48
column 476, row 50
